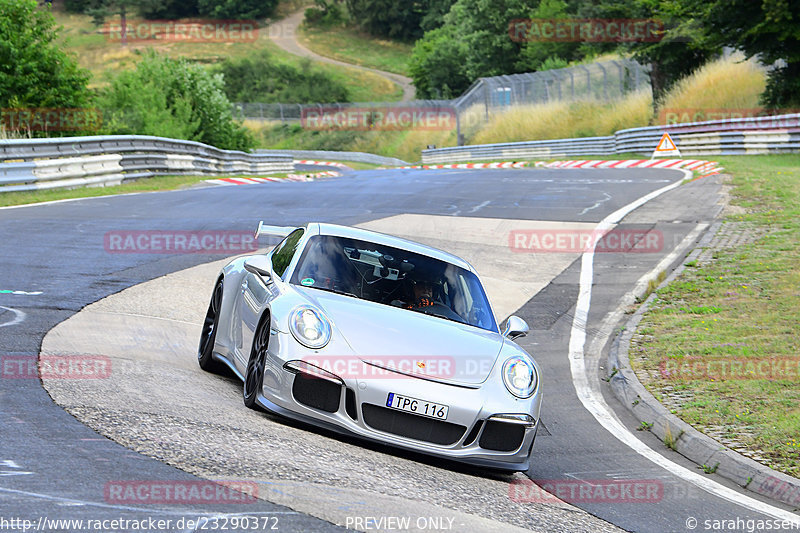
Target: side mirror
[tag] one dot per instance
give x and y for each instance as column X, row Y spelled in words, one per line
column 259, row 265
column 515, row 327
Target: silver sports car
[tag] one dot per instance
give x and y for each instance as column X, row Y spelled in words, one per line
column 379, row 337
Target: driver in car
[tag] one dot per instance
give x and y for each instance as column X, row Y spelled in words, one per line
column 423, row 295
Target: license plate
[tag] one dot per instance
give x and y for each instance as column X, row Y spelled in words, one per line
column 417, row 406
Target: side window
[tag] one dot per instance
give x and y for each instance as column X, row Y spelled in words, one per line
column 285, row 251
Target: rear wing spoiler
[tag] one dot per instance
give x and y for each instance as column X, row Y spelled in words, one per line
column 279, row 231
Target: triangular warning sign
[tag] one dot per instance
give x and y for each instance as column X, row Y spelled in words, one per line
column 666, row 148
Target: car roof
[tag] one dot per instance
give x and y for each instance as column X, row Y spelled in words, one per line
column 387, row 240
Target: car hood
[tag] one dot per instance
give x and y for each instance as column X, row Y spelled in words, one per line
column 410, row 342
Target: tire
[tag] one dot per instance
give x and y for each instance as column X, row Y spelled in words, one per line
column 254, row 376
column 208, row 336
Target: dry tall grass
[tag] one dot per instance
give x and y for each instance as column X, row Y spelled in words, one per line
column 6, row 134
column 726, row 84
column 563, row 120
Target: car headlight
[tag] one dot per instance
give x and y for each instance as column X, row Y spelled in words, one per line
column 519, row 376
column 310, row 327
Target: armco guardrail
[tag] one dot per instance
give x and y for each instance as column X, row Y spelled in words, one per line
column 326, row 155
column 31, row 164
column 756, row 135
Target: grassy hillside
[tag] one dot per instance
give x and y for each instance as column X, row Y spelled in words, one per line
column 352, row 46
column 103, row 58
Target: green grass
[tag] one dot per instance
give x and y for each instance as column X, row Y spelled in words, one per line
column 156, row 183
column 104, row 59
column 352, row 46
column 743, row 306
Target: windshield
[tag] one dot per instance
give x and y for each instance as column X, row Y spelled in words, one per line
column 391, row 276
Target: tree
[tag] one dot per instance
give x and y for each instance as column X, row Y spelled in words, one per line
column 437, row 64
column 534, row 53
column 34, row 72
column 399, row 20
column 236, row 9
column 172, row 98
column 683, row 48
column 769, row 29
column 258, row 78
column 100, row 10
column 473, row 42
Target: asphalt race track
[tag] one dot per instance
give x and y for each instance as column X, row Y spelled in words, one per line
column 156, row 416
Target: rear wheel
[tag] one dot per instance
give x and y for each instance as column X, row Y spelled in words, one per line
column 209, row 334
column 254, row 376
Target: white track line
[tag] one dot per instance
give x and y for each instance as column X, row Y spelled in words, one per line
column 596, row 404
column 19, row 316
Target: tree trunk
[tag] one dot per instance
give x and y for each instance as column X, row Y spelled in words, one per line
column 123, row 16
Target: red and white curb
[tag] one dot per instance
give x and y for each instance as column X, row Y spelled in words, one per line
column 289, row 177
column 704, row 168
column 507, row 164
column 321, row 163
column 701, row 167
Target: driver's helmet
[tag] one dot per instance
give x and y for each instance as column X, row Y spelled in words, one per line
column 423, row 292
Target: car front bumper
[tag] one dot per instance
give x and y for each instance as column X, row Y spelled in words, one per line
column 485, row 425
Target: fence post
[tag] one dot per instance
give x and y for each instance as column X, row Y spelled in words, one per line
column 605, row 81
column 572, row 84
column 588, row 79
column 459, row 139
column 485, row 98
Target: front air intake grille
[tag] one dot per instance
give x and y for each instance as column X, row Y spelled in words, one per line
column 350, row 404
column 317, row 393
column 474, row 433
column 411, row 426
column 501, row 436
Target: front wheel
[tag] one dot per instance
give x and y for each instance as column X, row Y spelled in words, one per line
column 254, row 376
column 209, row 334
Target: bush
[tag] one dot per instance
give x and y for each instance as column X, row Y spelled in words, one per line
column 34, row 72
column 327, row 14
column 260, row 79
column 236, row 9
column 173, row 98
column 175, row 9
